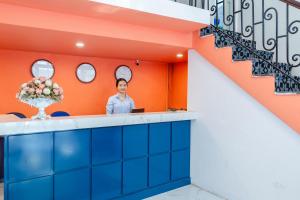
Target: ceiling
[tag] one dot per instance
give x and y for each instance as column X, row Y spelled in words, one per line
column 41, row 40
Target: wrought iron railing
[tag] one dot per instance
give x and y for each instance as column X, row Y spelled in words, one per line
column 249, row 30
column 195, row 3
column 268, row 22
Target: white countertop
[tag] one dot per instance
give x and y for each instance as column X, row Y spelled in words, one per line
column 12, row 126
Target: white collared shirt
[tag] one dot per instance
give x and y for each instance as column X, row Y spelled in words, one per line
column 115, row 105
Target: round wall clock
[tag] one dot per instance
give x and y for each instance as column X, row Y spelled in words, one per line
column 42, row 68
column 86, row 72
column 123, row 71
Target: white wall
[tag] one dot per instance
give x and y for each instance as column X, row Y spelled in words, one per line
column 239, row 149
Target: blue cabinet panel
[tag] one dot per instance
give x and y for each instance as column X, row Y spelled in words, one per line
column 35, row 189
column 180, row 135
column 106, row 181
column 135, row 175
column 73, row 185
column 135, row 141
column 106, row 145
column 159, row 169
column 1, row 157
column 180, row 164
column 30, row 156
column 159, row 138
column 124, row 162
column 71, row 149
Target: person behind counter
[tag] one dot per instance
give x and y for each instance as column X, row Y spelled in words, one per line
column 120, row 102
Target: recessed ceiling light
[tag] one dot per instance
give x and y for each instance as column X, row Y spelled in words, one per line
column 179, row 55
column 79, row 44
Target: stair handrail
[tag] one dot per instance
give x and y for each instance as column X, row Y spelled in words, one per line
column 294, row 3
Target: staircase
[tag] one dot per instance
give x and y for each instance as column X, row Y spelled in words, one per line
column 262, row 61
column 236, row 49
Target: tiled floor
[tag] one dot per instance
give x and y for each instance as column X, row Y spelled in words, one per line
column 186, row 193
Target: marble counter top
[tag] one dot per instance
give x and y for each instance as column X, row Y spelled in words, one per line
column 12, row 126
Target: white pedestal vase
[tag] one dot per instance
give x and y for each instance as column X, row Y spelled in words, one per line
column 41, row 104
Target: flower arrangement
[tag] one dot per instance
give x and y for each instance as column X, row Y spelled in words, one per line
column 40, row 88
column 40, row 93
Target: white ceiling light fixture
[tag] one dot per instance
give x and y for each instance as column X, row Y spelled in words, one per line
column 179, row 55
column 80, row 44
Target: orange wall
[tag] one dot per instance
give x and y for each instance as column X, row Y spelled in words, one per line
column 178, row 85
column 149, row 86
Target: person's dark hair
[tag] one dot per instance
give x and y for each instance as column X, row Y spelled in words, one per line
column 119, row 80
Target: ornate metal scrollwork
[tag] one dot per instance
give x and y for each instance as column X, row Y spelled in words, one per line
column 234, row 19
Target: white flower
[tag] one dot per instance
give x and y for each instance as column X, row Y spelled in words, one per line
column 37, row 82
column 24, row 85
column 46, row 91
column 22, row 92
column 55, row 86
column 48, row 83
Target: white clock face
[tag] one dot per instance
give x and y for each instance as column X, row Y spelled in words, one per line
column 42, row 68
column 86, row 73
column 123, row 71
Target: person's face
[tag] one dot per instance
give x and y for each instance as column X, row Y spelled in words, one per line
column 122, row 87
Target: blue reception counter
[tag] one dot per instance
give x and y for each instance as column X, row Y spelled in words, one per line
column 123, row 161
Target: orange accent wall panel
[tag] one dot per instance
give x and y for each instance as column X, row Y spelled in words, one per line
column 149, row 85
column 286, row 107
column 178, row 85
